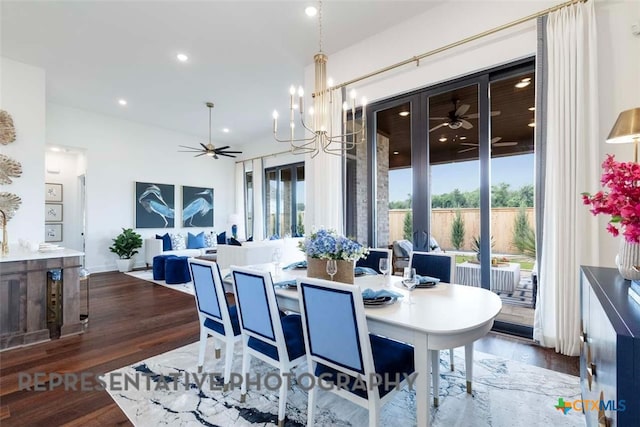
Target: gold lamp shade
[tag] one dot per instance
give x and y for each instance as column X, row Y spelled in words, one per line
column 627, row 127
column 626, row 130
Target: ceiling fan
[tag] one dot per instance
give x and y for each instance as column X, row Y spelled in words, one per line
column 209, row 149
column 456, row 118
column 495, row 142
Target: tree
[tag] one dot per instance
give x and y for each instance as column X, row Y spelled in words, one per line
column 521, row 229
column 457, row 231
column 408, row 227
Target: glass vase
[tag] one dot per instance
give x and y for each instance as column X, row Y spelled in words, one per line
column 628, row 257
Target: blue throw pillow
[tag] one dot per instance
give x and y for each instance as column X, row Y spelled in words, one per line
column 166, row 241
column 195, row 242
column 234, row 242
column 222, row 238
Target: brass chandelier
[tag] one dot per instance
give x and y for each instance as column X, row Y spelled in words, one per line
column 318, row 134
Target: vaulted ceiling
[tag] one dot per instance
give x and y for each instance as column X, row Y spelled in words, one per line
column 243, row 55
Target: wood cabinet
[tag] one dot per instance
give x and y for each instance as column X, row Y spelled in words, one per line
column 610, row 349
column 23, row 297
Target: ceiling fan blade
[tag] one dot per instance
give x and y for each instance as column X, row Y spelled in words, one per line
column 190, row 148
column 476, row 115
column 222, row 148
column 204, row 146
column 505, row 144
column 462, row 109
column 201, row 154
column 467, row 149
column 438, row 126
column 225, row 154
column 469, row 144
column 438, row 118
column 466, row 124
column 228, row 151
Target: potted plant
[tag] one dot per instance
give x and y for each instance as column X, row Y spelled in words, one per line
column 475, row 245
column 326, row 245
column 125, row 245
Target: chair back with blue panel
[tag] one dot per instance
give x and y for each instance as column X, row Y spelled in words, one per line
column 338, row 343
column 217, row 318
column 435, row 264
column 372, row 260
column 266, row 334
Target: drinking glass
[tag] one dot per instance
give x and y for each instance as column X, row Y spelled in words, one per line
column 383, row 265
column 409, row 281
column 276, row 258
column 332, row 268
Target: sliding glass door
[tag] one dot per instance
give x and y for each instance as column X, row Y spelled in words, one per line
column 451, row 168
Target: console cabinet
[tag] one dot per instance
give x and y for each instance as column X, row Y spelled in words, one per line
column 610, row 349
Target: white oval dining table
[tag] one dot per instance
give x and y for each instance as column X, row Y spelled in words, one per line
column 441, row 317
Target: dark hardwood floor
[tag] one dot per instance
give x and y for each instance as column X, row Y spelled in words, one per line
column 130, row 320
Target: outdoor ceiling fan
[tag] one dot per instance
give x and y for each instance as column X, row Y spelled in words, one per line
column 456, row 118
column 209, row 149
column 494, row 143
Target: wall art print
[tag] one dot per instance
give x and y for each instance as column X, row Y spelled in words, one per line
column 53, row 232
column 53, row 212
column 52, row 192
column 154, row 205
column 197, row 206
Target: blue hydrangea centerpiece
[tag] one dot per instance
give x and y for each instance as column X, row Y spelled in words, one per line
column 327, row 244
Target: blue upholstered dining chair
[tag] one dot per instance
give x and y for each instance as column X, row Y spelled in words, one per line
column 217, row 318
column 266, row 334
column 442, row 266
column 338, row 343
column 372, row 260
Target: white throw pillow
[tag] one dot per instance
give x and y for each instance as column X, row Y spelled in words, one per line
column 211, row 240
column 177, row 242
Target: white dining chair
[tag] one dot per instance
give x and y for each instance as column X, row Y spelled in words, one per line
column 217, row 318
column 266, row 334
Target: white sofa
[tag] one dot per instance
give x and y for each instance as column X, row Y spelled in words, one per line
column 260, row 252
column 153, row 247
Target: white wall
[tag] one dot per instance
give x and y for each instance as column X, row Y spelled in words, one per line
column 619, row 90
column 22, row 94
column 120, row 152
column 619, row 59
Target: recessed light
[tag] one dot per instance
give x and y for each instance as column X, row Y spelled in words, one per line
column 523, row 83
column 531, row 108
column 182, row 57
column 532, row 124
column 462, row 138
column 56, row 149
column 442, row 139
column 225, row 130
column 403, row 113
column 311, row 11
column 396, row 152
column 122, row 102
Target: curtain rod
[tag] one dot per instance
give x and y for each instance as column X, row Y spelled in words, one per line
column 263, row 157
column 459, row 42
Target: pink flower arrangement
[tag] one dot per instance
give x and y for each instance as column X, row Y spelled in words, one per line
column 621, row 201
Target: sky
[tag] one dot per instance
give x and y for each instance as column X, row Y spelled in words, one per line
column 465, row 176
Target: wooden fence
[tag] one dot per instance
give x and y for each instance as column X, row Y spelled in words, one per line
column 502, row 225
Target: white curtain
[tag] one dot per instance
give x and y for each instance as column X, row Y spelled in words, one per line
column 571, row 159
column 240, row 199
column 258, row 209
column 323, row 205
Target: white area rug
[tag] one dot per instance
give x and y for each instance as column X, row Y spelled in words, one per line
column 147, row 275
column 506, row 393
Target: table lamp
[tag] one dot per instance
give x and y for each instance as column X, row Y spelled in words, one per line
column 627, row 129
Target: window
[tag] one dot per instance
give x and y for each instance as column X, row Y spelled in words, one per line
column 284, row 200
